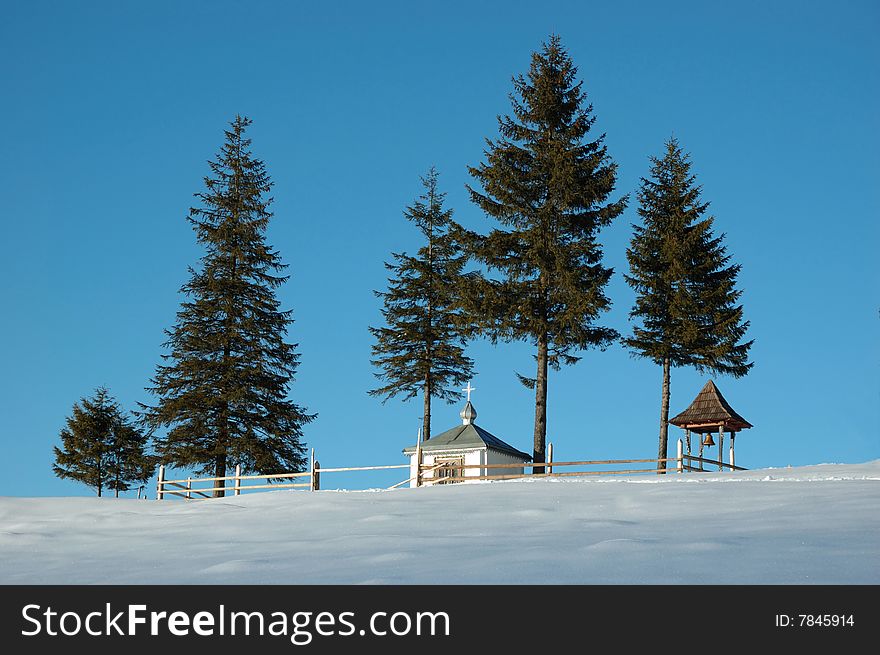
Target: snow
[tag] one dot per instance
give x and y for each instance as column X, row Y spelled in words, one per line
column 806, row 525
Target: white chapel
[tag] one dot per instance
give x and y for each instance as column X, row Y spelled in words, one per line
column 467, row 444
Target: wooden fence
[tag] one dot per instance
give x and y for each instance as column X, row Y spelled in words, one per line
column 548, row 469
column 428, row 475
column 189, row 488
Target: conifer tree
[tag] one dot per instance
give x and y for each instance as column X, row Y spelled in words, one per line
column 223, row 389
column 685, row 284
column 550, row 187
column 128, row 460
column 421, row 347
column 102, row 447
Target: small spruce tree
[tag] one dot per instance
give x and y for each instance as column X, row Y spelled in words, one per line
column 223, row 391
column 421, row 347
column 128, row 461
column 102, row 448
column 687, row 301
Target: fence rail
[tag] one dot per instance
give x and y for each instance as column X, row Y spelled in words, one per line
column 553, row 464
column 694, row 458
column 436, row 473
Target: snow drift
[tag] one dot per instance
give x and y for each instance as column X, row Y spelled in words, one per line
column 807, row 525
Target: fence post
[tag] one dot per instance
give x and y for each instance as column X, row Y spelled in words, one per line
column 160, row 483
column 549, row 457
column 312, row 471
column 188, row 488
column 679, row 457
column 316, row 477
column 238, row 479
column 732, row 463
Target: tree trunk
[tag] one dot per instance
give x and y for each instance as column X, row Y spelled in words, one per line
column 223, row 437
column 540, row 405
column 664, row 419
column 220, row 472
column 426, row 414
column 220, row 456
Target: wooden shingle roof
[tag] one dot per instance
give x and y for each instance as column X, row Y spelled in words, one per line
column 709, row 411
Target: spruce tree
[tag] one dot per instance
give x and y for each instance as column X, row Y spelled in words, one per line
column 223, row 387
column 421, row 347
column 128, row 460
column 550, row 187
column 102, row 447
column 687, row 301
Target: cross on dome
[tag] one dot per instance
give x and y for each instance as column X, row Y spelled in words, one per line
column 468, row 414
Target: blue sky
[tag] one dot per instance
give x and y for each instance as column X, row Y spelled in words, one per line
column 112, row 109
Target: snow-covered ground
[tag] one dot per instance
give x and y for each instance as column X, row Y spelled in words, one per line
column 808, row 525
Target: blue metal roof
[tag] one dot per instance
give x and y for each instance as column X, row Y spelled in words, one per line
column 466, row 437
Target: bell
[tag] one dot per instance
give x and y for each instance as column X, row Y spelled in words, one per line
column 707, row 440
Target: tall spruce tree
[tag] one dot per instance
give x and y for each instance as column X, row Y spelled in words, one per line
column 550, row 187
column 223, row 391
column 685, row 284
column 421, row 347
column 102, row 447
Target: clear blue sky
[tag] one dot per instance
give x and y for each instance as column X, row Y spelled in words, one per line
column 111, row 110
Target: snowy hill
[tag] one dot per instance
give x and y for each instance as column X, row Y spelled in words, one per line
column 807, row 525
